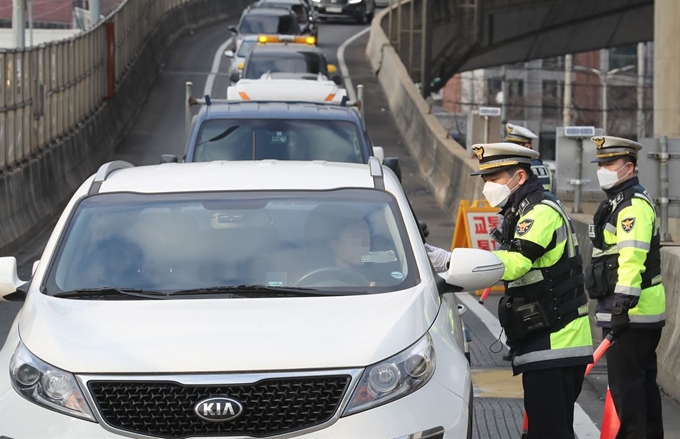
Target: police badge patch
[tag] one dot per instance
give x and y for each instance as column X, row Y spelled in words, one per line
column 627, row 224
column 524, row 226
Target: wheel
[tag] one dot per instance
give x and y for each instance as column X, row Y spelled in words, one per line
column 346, row 275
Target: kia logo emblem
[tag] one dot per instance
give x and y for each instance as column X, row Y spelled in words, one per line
column 218, row 409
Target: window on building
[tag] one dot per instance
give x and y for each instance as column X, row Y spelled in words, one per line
column 552, row 99
column 515, row 106
column 554, row 63
column 546, row 145
column 622, row 56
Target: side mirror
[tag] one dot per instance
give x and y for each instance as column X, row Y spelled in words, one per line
column 337, row 79
column 229, row 53
column 332, row 68
column 235, row 76
column 9, row 279
column 393, row 164
column 169, row 158
column 473, row 269
column 233, row 29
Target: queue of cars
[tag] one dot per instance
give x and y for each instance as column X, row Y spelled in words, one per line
column 274, row 286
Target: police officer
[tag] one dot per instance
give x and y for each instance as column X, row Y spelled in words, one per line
column 544, row 309
column 624, row 276
column 523, row 136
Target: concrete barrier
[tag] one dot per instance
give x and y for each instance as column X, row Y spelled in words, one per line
column 33, row 194
column 446, row 167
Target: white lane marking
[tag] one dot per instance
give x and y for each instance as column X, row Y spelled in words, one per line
column 343, row 66
column 217, row 60
column 584, row 427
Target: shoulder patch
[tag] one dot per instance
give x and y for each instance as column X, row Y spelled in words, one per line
column 627, row 224
column 524, row 226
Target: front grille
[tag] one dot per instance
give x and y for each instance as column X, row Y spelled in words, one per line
column 270, row 407
column 333, row 2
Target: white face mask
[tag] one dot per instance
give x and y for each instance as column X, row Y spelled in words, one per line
column 608, row 179
column 497, row 194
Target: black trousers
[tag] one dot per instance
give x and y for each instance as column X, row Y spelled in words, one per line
column 631, row 366
column 549, row 397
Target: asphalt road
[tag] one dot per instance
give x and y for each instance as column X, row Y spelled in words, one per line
column 159, row 129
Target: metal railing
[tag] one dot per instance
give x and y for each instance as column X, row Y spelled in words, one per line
column 47, row 90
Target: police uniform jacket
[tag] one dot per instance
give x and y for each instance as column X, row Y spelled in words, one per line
column 542, row 264
column 625, row 269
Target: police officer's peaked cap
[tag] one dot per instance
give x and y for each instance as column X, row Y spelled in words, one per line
column 611, row 148
column 518, row 134
column 494, row 157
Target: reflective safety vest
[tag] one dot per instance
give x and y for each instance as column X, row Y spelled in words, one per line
column 544, row 174
column 625, row 269
column 543, row 266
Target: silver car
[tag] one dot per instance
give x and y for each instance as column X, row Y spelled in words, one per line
column 238, row 57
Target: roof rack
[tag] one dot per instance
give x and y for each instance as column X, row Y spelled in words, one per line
column 104, row 171
column 190, row 101
column 376, row 170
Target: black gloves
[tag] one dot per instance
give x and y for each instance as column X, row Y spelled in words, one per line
column 620, row 322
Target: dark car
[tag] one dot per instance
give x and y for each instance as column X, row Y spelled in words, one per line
column 360, row 10
column 278, row 130
column 306, row 15
column 259, row 21
column 286, row 58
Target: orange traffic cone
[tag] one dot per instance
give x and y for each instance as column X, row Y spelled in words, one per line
column 610, row 419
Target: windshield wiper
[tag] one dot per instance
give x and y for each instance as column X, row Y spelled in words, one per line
column 220, row 136
column 255, row 291
column 83, row 293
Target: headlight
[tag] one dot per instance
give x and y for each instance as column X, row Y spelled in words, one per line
column 354, row 2
column 46, row 385
column 395, row 377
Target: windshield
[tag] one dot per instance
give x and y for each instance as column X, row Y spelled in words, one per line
column 342, row 240
column 285, row 62
column 245, row 47
column 268, row 24
column 258, row 139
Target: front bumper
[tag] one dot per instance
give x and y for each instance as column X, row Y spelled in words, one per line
column 432, row 407
column 339, row 11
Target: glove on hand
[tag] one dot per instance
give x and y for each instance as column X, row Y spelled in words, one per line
column 439, row 257
column 620, row 323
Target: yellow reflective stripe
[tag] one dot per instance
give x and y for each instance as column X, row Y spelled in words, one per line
column 630, row 291
column 575, row 333
column 631, row 243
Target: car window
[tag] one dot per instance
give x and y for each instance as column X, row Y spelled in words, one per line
column 285, row 62
column 268, row 24
column 245, row 47
column 258, row 139
column 340, row 240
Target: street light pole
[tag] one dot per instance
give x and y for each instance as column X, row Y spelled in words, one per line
column 604, row 81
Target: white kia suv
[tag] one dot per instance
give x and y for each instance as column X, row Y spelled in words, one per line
column 259, row 299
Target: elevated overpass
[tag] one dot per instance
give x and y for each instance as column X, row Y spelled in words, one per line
column 436, row 39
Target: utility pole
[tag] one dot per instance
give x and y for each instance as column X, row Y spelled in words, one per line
column 94, row 12
column 504, row 94
column 604, row 81
column 566, row 111
column 641, row 91
column 19, row 24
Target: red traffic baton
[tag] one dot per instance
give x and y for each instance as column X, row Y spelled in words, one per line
column 485, row 294
column 599, row 352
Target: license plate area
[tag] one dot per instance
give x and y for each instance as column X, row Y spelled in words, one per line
column 334, row 9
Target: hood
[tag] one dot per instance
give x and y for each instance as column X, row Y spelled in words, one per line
column 224, row 335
